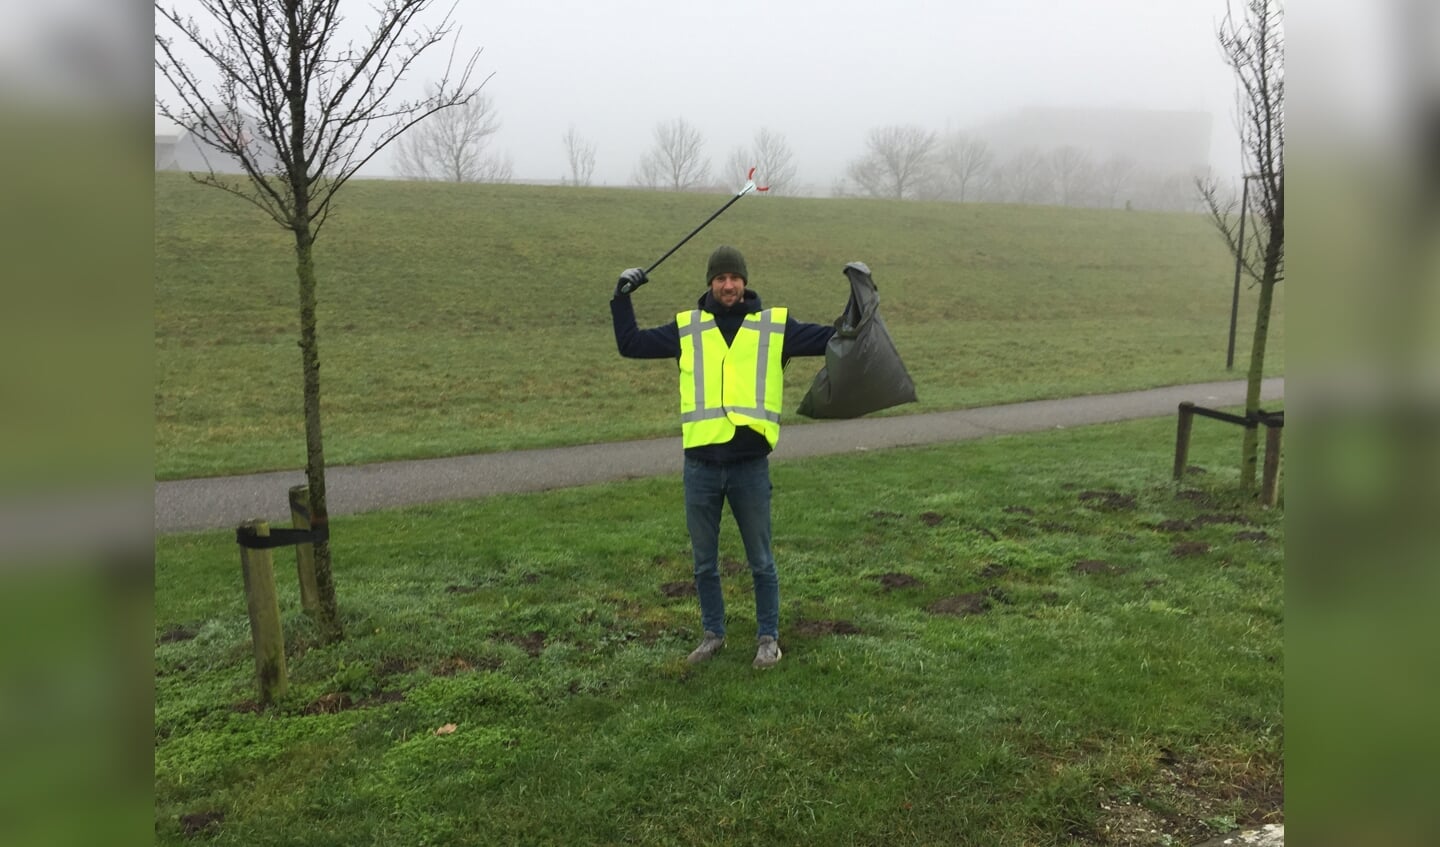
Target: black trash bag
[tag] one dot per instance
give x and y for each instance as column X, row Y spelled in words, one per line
column 863, row 372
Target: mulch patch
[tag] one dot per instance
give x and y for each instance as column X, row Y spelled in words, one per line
column 678, row 589
column 932, row 518
column 1108, row 500
column 1186, row 549
column 960, row 605
column 1098, row 567
column 892, row 581
column 200, row 823
column 811, row 629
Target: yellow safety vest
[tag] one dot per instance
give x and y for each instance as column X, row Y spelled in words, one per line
column 723, row 387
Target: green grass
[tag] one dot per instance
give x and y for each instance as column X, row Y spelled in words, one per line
column 469, row 318
column 1077, row 708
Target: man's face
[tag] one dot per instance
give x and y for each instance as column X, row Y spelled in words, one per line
column 727, row 289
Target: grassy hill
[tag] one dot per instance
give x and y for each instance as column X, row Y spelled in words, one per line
column 472, row 318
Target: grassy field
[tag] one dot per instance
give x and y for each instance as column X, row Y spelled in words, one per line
column 473, row 318
column 1028, row 640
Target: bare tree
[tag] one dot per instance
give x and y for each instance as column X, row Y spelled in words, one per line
column 771, row 158
column 1073, row 174
column 898, row 162
column 451, row 145
column 677, row 160
column 315, row 103
column 580, row 153
column 1024, row 178
column 1254, row 48
column 1114, row 178
column 964, row 162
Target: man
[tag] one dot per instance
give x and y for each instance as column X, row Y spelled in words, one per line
column 731, row 353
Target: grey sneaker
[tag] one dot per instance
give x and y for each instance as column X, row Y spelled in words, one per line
column 709, row 646
column 768, row 654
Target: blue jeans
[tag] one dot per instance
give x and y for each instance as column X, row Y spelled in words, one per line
column 746, row 485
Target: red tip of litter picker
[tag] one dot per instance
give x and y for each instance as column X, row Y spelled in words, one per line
column 750, row 177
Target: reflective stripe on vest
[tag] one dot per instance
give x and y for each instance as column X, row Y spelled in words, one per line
column 726, row 386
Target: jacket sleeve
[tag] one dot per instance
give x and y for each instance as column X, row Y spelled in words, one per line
column 805, row 339
column 661, row 342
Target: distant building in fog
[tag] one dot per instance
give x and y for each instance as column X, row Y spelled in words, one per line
column 177, row 149
column 1157, row 140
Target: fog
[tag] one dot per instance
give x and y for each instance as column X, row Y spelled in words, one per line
column 823, row 72
column 820, row 74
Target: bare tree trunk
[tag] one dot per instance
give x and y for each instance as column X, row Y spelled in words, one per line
column 329, row 620
column 1249, row 448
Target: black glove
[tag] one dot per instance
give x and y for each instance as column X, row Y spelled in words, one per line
column 629, row 281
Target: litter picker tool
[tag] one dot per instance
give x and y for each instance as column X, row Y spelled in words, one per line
column 748, row 187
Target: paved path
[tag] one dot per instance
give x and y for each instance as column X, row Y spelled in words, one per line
column 224, row 502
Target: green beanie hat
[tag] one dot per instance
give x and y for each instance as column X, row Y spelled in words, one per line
column 726, row 259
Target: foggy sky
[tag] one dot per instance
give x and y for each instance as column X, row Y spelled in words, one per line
column 824, row 72
column 819, row 72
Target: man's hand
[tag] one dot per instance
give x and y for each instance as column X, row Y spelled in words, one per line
column 629, row 281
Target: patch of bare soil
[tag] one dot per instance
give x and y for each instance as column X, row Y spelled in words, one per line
column 393, row 666
column 461, row 589
column 1110, row 501
column 960, row 605
column 177, row 633
column 339, row 701
column 458, row 664
column 532, row 643
column 1212, row 518
column 1194, row 793
column 329, row 704
column 892, row 581
column 1252, row 535
column 1200, row 498
column 1174, row 525
column 200, row 823
column 678, row 589
column 931, row 518
column 730, row 567
column 1185, row 549
column 886, row 516
column 1098, row 567
column 812, row 629
column 994, row 570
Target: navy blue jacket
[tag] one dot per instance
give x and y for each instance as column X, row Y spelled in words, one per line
column 663, row 342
